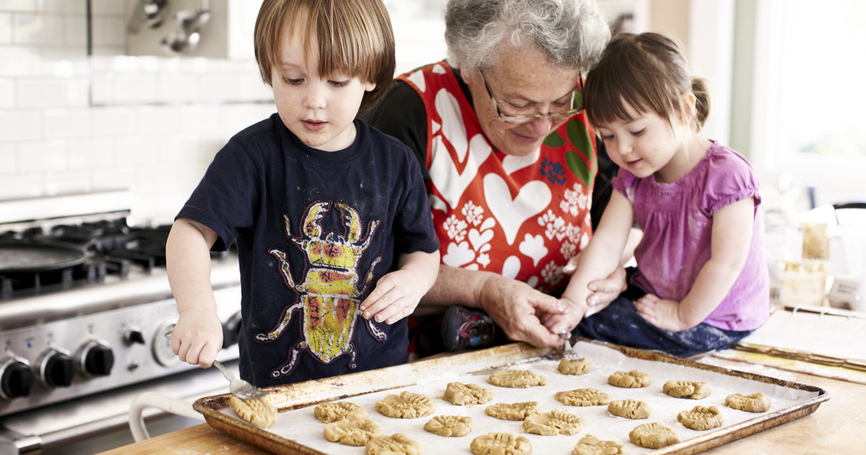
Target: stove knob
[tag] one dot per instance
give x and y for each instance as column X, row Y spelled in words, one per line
column 134, row 335
column 16, row 379
column 96, row 359
column 56, row 369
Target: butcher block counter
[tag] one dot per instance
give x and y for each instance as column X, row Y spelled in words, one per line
column 835, row 427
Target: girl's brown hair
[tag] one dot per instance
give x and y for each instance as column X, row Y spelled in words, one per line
column 354, row 38
column 647, row 72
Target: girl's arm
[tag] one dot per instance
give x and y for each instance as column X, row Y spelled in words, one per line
column 397, row 293
column 730, row 242
column 197, row 337
column 600, row 258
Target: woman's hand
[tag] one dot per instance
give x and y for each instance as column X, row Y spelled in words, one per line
column 197, row 337
column 518, row 309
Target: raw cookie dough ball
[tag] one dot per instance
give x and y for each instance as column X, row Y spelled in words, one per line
column 701, row 418
column 574, row 366
column 630, row 409
column 583, row 397
column 352, row 432
column 653, row 436
column 513, row 411
column 632, row 379
column 407, row 405
column 449, row 426
column 553, row 423
column 756, row 402
column 694, row 390
column 462, row 394
column 500, row 444
column 396, row 444
column 256, row 412
column 516, row 378
column 339, row 410
column 590, row 445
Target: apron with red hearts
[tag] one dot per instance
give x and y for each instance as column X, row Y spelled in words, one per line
column 521, row 217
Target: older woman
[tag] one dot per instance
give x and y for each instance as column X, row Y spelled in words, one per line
column 511, row 160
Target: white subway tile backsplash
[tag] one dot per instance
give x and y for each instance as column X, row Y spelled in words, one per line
column 64, row 6
column 44, row 92
column 19, row 61
column 18, row 5
column 91, row 152
column 20, row 125
column 135, row 88
column 5, row 28
column 108, row 31
column 157, row 120
column 21, row 185
column 67, row 123
column 37, row 29
column 113, row 121
column 8, row 159
column 7, row 93
column 75, row 29
column 136, row 150
column 115, row 177
column 101, row 7
column 42, row 156
column 66, row 182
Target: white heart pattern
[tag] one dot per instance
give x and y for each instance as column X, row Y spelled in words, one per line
column 458, row 254
column 533, row 247
column 511, row 267
column 417, row 78
column 531, row 200
column 443, row 171
column 479, row 239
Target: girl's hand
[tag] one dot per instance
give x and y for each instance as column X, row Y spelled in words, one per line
column 197, row 338
column 660, row 312
column 394, row 297
column 568, row 320
column 603, row 291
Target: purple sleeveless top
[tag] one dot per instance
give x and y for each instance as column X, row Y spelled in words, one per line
column 677, row 220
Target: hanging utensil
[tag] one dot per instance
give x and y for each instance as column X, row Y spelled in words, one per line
column 186, row 39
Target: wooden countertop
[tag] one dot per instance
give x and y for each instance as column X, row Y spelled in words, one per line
column 834, row 428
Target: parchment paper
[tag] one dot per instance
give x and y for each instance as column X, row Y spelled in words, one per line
column 302, row 426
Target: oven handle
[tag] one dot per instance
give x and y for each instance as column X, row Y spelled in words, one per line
column 155, row 400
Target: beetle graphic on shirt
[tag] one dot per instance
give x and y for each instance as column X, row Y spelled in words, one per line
column 330, row 294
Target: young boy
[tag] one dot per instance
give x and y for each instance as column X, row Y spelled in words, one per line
column 334, row 233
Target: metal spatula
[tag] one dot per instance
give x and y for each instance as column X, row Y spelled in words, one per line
column 237, row 386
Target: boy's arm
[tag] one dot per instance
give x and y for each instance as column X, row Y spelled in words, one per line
column 600, row 258
column 397, row 293
column 730, row 242
column 197, row 336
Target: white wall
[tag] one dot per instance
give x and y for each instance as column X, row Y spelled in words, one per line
column 52, row 141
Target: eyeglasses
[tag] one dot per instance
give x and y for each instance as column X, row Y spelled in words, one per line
column 576, row 100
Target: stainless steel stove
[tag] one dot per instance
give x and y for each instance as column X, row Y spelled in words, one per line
column 84, row 306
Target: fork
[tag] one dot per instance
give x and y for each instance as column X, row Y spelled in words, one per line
column 237, row 386
column 567, row 349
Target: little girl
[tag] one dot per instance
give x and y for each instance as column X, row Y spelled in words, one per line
column 702, row 281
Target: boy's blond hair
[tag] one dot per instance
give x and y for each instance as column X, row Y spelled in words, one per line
column 354, row 38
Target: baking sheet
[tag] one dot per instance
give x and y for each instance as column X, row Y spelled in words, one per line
column 298, row 431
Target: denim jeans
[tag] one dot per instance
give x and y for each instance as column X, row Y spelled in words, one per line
column 620, row 324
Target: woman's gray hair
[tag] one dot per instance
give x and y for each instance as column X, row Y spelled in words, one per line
column 572, row 33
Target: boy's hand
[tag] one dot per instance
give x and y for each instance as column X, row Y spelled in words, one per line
column 197, row 338
column 660, row 312
column 394, row 297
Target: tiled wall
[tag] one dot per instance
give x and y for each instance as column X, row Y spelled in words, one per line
column 71, row 124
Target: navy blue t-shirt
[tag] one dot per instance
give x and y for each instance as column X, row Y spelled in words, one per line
column 315, row 231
